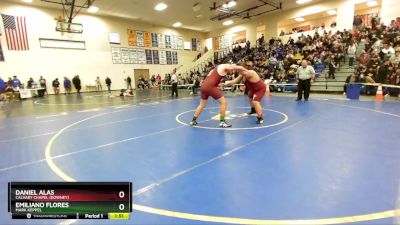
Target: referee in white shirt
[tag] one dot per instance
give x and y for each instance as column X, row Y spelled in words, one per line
column 304, row 75
column 174, row 82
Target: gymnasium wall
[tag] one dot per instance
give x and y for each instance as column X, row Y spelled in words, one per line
column 345, row 13
column 94, row 61
column 313, row 23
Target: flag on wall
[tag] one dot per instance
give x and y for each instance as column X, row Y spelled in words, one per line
column 169, row 57
column 141, row 54
column 167, row 41
column 16, row 33
column 163, row 57
column 140, row 38
column 125, row 55
column 1, row 50
column 175, row 58
column 133, row 56
column 161, row 41
column 147, row 39
column 154, row 40
column 174, row 42
column 116, row 55
column 149, row 56
column 179, row 41
column 194, row 44
column 132, row 37
column 156, row 58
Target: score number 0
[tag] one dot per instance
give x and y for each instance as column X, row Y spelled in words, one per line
column 121, row 194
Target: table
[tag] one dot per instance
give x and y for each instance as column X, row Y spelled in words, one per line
column 29, row 93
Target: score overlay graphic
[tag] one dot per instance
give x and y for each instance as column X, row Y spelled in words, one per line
column 72, row 200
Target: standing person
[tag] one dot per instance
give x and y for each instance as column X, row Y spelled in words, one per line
column 174, row 83
column 332, row 67
column 257, row 89
column 153, row 80
column 129, row 83
column 304, row 75
column 67, row 86
column 383, row 72
column 43, row 84
column 351, row 52
column 98, row 84
column 30, row 84
column 108, row 83
column 77, row 83
column 158, row 78
column 210, row 87
column 56, row 86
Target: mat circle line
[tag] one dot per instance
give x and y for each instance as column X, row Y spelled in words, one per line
column 219, row 219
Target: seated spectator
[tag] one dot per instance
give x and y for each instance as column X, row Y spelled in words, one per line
column 30, row 84
column 353, row 78
column 141, row 83
column 387, row 52
column 395, row 58
column 196, row 86
column 2, row 90
column 16, row 83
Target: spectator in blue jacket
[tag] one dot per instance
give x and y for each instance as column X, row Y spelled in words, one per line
column 16, row 83
column 67, row 86
column 2, row 85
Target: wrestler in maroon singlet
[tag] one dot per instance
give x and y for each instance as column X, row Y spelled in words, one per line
column 256, row 90
column 210, row 87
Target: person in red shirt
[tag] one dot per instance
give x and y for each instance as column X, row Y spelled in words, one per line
column 257, row 89
column 158, row 78
column 211, row 87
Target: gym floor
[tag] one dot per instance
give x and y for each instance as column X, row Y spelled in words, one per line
column 326, row 161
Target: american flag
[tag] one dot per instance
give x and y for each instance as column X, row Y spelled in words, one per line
column 16, row 34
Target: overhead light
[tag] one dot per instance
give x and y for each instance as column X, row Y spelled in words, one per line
column 228, row 22
column 331, row 12
column 229, row 4
column 27, row 1
column 299, row 19
column 93, row 9
column 177, row 24
column 160, row 6
column 372, row 3
column 302, row 1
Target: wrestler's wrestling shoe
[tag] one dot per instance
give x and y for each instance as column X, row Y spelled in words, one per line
column 260, row 121
column 224, row 124
column 193, row 123
column 252, row 111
